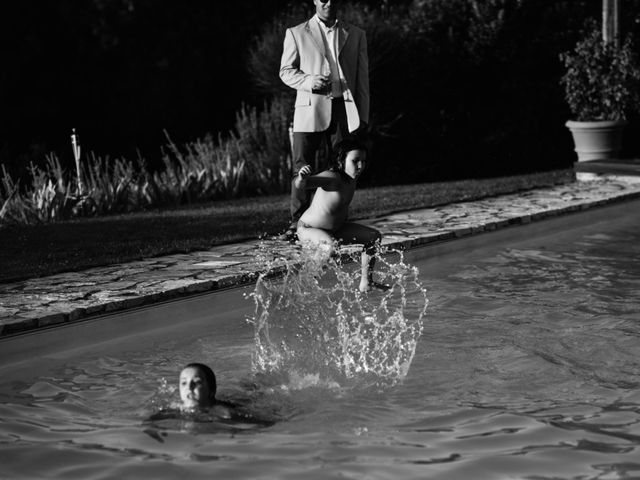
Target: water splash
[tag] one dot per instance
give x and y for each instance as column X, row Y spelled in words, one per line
column 311, row 321
column 165, row 396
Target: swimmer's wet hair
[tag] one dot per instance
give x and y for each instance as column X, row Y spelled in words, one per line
column 209, row 376
column 343, row 148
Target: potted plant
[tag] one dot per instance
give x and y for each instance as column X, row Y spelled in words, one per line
column 602, row 84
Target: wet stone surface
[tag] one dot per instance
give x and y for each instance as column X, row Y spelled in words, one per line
column 70, row 297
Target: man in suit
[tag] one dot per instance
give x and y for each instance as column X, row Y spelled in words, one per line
column 325, row 60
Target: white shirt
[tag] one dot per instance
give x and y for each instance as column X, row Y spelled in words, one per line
column 330, row 39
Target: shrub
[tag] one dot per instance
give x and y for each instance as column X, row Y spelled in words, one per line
column 253, row 160
column 202, row 170
column 108, row 187
column 265, row 146
column 602, row 81
column 15, row 208
column 263, row 56
column 462, row 83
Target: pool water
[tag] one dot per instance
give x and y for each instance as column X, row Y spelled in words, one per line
column 528, row 366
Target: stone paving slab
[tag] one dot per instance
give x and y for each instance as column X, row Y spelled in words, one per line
column 70, row 297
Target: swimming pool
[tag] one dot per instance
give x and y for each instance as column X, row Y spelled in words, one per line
column 528, row 367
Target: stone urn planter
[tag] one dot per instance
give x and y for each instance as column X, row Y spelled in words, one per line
column 600, row 140
column 602, row 85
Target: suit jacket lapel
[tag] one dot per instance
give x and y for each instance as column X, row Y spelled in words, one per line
column 343, row 34
column 314, row 30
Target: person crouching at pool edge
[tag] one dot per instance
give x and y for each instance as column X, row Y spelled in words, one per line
column 197, row 384
column 325, row 221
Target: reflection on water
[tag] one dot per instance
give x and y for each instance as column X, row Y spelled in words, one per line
column 528, row 367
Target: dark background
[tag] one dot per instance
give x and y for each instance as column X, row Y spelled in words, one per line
column 121, row 72
column 452, row 104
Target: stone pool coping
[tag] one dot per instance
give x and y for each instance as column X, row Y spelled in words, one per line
column 45, row 302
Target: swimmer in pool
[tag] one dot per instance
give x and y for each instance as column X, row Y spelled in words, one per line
column 197, row 385
column 325, row 221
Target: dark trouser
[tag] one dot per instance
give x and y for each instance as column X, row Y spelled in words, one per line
column 305, row 146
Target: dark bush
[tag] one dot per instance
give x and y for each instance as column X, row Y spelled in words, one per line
column 460, row 88
column 121, row 72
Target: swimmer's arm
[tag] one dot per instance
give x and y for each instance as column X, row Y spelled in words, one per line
column 326, row 180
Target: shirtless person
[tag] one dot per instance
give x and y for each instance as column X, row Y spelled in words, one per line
column 325, row 221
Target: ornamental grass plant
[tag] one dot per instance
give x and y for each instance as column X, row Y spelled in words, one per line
column 252, row 160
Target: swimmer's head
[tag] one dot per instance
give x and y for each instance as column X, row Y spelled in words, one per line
column 197, row 386
column 350, row 157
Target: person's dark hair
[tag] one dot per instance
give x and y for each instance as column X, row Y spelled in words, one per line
column 208, row 375
column 341, row 151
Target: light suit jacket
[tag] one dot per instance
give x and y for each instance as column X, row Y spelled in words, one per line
column 304, row 55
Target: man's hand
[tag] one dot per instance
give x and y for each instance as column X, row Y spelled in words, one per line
column 320, row 83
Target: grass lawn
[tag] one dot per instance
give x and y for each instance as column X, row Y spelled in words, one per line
column 42, row 250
